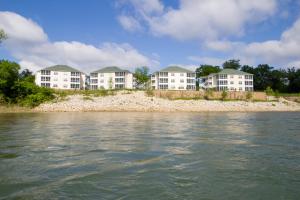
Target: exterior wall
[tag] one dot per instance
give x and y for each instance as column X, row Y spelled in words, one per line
column 60, row 80
column 232, row 82
column 111, row 81
column 173, row 81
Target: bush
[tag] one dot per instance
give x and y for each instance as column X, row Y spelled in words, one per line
column 149, row 93
column 269, row 91
column 249, row 95
column 224, row 95
column 34, row 100
column 208, row 93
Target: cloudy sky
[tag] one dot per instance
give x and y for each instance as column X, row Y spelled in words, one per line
column 90, row 34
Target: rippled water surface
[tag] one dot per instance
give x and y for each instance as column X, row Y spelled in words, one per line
column 150, row 156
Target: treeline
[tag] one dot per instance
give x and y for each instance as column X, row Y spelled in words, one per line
column 20, row 88
column 264, row 76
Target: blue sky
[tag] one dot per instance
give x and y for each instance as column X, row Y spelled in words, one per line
column 130, row 33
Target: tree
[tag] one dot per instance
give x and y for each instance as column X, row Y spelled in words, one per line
column 9, row 74
column 205, row 70
column 27, row 75
column 141, row 77
column 3, row 36
column 294, row 80
column 232, row 64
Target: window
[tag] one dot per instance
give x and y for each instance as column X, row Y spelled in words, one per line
column 120, row 80
column 101, row 75
column 231, row 82
column 240, row 77
column 223, row 82
column 223, row 88
column 240, row 89
column 153, row 81
column 173, row 87
column 191, row 75
column 55, row 79
column 163, row 74
column 248, row 83
column 163, row 80
column 210, row 78
column 249, row 88
column 119, row 86
column 172, row 74
column 75, row 86
column 232, row 89
column 181, row 74
column 223, row 76
column 75, row 80
column 102, row 81
column 190, row 80
column 45, row 85
column 65, row 79
column 172, row 80
column 65, row 86
column 94, row 75
column 240, row 82
column 94, row 81
column 181, row 80
column 163, row 87
column 45, row 72
column 45, row 78
column 231, row 76
column 55, row 73
column 119, row 73
column 181, row 87
column 248, row 76
column 190, row 87
column 75, row 73
column 94, row 87
column 55, row 85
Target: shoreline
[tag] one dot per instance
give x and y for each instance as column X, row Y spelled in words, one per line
column 139, row 102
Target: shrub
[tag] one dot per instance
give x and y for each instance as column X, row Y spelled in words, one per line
column 208, row 93
column 149, row 93
column 224, row 95
column 249, row 95
column 34, row 100
column 269, row 91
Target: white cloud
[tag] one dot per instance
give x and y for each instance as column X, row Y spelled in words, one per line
column 203, row 19
column 207, row 60
column 28, row 43
column 129, row 23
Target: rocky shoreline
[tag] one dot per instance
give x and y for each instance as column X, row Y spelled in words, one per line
column 139, row 102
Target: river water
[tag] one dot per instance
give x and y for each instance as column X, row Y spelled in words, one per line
column 150, row 156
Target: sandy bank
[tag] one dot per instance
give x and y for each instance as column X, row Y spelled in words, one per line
column 138, row 101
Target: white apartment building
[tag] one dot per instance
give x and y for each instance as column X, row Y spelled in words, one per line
column 228, row 79
column 174, row 78
column 111, row 78
column 60, row 77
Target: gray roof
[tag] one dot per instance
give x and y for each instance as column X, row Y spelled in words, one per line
column 61, row 68
column 232, row 71
column 111, row 69
column 176, row 69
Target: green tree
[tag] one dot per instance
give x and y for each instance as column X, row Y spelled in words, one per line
column 294, row 80
column 9, row 74
column 3, row 36
column 205, row 70
column 27, row 75
column 141, row 77
column 232, row 64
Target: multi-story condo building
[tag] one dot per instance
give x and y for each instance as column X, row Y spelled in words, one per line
column 174, row 78
column 111, row 78
column 60, row 77
column 228, row 79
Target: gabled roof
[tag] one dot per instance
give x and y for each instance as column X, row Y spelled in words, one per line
column 175, row 69
column 61, row 68
column 110, row 69
column 231, row 72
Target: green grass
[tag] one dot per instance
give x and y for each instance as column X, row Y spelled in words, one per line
column 289, row 94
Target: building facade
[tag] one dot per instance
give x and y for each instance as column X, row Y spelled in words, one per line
column 228, row 79
column 61, row 77
column 111, row 78
column 174, row 78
